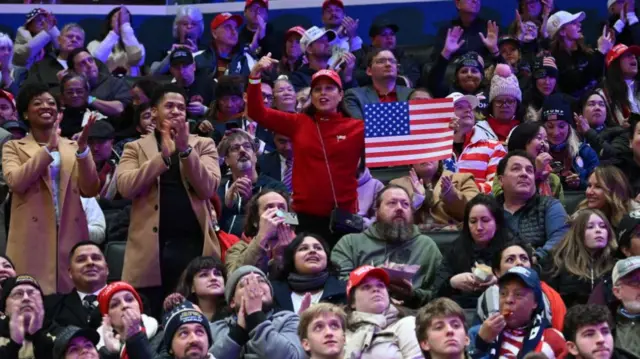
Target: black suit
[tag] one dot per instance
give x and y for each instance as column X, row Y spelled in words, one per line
column 269, row 164
column 62, row 310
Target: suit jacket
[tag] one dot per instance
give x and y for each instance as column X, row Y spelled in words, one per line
column 356, row 98
column 36, row 243
column 62, row 310
column 138, row 179
column 269, row 164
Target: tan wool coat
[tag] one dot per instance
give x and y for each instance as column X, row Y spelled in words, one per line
column 36, row 244
column 138, row 179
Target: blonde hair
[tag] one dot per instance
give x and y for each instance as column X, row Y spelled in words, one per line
column 617, row 193
column 572, row 256
column 317, row 310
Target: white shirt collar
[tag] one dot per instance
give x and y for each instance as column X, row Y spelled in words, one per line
column 82, row 294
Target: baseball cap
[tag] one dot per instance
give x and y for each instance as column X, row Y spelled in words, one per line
column 544, row 66
column 377, row 27
column 561, row 18
column 314, row 33
column 180, row 56
column 556, row 108
column 295, row 30
column 620, row 50
column 63, row 339
column 508, row 39
column 221, row 18
column 624, row 267
column 359, row 274
column 528, row 276
column 15, row 125
column 334, row 2
column 627, row 227
column 457, row 96
column 611, row 2
column 9, row 96
column 264, row 3
column 330, row 74
column 102, row 130
column 34, row 13
column 9, row 284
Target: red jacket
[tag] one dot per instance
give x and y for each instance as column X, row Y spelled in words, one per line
column 344, row 142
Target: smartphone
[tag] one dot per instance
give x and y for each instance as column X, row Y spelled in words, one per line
column 290, row 218
column 557, row 167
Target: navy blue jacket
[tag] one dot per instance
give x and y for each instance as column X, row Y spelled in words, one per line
column 269, row 164
column 335, row 291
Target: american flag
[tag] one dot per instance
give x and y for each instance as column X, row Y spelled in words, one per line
column 403, row 133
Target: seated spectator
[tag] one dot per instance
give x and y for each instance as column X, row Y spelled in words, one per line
column 322, row 331
column 10, row 78
column 53, row 66
column 186, row 333
column 17, row 129
column 420, row 94
column 21, row 325
column 101, row 137
column 307, row 276
column 7, row 107
column 225, row 55
column 441, row 330
column 225, row 239
column 95, row 220
column 625, row 160
column 368, row 189
column 108, row 94
column 608, row 190
column 382, row 67
column 545, row 78
column 393, row 241
column 584, row 255
column 72, row 342
column 188, row 27
column 47, row 217
column 576, row 159
column 202, row 283
column 580, row 67
column 315, row 44
column 142, row 90
column 144, row 123
column 88, row 271
column 531, row 137
column 589, row 333
column 462, row 275
column 197, row 85
column 375, row 326
column 345, row 28
column 7, row 270
column 124, row 327
column 597, row 128
column 38, row 36
column 292, row 55
column 473, row 152
column 303, row 99
column 505, row 105
column 75, row 99
column 265, row 236
column 510, row 49
column 279, row 163
column 623, row 19
column 536, row 219
column 239, row 152
column 438, row 197
column 257, row 330
column 520, row 326
column 620, row 84
column 118, row 47
column 257, row 32
column 626, row 287
column 516, row 254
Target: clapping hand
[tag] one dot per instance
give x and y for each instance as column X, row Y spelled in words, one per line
column 350, row 26
column 582, row 125
column 447, row 189
column 54, row 138
column 168, row 145
column 253, row 293
column 83, row 139
column 110, row 338
column 416, row 182
column 181, row 139
column 305, row 304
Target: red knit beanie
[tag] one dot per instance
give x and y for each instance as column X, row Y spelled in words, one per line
column 105, row 295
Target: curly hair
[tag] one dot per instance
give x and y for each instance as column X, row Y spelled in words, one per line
column 582, row 315
column 617, row 193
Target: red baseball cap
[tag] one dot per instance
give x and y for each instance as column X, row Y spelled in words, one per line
column 264, row 3
column 359, row 274
column 329, row 74
column 334, row 2
column 295, row 30
column 221, row 18
column 8, row 96
column 620, row 50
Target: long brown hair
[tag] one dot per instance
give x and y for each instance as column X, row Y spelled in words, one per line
column 572, row 256
column 557, row 45
column 617, row 193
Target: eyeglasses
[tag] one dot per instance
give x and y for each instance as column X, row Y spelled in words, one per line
column 246, row 146
column 267, row 96
column 383, row 61
column 504, row 103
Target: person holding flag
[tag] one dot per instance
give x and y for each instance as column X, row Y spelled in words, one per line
column 328, row 145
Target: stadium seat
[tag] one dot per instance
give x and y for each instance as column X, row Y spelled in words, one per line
column 444, row 239
column 386, row 174
column 572, row 199
column 114, row 254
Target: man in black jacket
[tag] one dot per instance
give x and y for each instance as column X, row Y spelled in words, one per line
column 257, row 34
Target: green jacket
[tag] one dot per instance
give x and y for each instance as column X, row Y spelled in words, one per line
column 354, row 250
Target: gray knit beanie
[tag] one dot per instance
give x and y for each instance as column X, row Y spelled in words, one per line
column 234, row 278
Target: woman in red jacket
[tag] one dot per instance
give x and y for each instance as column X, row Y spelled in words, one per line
column 326, row 146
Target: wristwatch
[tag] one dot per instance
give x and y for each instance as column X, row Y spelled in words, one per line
column 186, row 153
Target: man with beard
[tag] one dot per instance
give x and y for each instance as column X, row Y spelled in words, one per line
column 21, row 329
column 588, row 329
column 540, row 221
column 239, row 149
column 626, row 288
column 186, row 332
column 88, row 271
column 108, row 95
column 256, row 330
column 382, row 68
column 393, row 241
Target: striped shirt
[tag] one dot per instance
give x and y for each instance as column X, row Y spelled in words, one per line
column 552, row 344
column 480, row 158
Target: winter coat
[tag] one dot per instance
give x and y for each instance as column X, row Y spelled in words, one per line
column 368, row 188
column 138, row 346
column 110, row 51
column 27, row 49
column 334, row 291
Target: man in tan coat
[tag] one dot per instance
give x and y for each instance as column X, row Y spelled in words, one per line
column 170, row 176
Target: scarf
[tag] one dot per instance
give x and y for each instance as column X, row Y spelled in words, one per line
column 302, row 283
column 502, row 129
column 532, row 336
column 124, row 354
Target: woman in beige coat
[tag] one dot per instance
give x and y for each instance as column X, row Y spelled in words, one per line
column 47, row 175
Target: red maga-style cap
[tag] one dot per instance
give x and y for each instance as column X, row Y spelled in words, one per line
column 620, row 50
column 334, row 2
column 221, row 18
column 329, row 74
column 359, row 274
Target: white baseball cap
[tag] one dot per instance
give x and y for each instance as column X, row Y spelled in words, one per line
column 611, row 2
column 561, row 18
column 624, row 267
column 457, row 97
column 314, row 33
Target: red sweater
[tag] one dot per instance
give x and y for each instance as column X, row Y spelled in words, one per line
column 344, row 142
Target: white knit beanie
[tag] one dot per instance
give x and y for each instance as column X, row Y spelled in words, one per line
column 504, row 82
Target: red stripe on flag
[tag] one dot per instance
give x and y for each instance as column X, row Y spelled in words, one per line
column 408, row 152
column 407, row 162
column 393, row 142
column 430, row 121
column 430, row 131
column 429, row 111
column 431, row 102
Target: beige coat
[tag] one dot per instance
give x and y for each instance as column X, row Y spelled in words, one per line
column 33, row 244
column 138, row 179
column 445, row 212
